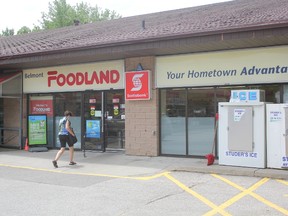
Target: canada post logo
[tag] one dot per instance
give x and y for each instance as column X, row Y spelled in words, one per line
column 137, row 85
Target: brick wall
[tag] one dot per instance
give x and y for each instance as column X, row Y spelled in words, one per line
column 141, row 117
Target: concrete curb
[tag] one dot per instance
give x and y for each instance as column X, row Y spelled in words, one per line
column 118, row 163
column 237, row 171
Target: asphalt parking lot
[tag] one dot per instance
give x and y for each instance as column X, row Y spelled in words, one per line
column 116, row 184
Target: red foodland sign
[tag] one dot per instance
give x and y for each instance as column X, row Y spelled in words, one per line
column 41, row 107
column 83, row 78
column 137, row 85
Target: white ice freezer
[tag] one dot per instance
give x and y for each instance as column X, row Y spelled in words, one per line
column 277, row 135
column 241, row 134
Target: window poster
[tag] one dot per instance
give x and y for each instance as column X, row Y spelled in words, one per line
column 93, row 128
column 41, row 105
column 37, row 129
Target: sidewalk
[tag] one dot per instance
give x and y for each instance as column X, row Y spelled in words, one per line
column 116, row 163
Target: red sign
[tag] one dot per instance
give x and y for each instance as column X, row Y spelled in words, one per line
column 41, row 107
column 80, row 78
column 92, row 100
column 137, row 85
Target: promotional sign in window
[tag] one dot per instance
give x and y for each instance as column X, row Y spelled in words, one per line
column 93, row 128
column 92, row 110
column 37, row 129
column 41, row 105
column 137, row 85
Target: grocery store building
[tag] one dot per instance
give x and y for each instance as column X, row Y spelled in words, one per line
column 148, row 84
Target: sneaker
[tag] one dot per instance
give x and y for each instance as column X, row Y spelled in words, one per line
column 55, row 164
column 72, row 163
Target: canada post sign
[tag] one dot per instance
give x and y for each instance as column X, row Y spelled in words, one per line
column 137, row 85
column 94, row 76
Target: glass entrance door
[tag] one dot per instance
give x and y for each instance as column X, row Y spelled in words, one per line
column 115, row 119
column 104, row 120
column 93, row 121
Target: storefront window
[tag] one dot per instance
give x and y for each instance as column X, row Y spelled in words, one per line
column 43, row 104
column 69, row 101
column 173, row 108
column 272, row 93
column 188, row 116
column 285, row 93
column 200, row 121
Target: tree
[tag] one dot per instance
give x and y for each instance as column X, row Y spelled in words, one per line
column 36, row 28
column 87, row 14
column 23, row 30
column 7, row 32
column 108, row 15
column 61, row 14
column 83, row 12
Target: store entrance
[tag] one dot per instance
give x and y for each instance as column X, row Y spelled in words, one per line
column 114, row 118
column 104, row 120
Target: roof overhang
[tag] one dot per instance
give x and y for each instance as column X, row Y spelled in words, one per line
column 273, row 35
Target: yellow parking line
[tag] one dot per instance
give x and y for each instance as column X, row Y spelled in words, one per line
column 283, row 182
column 238, row 196
column 195, row 194
column 145, row 178
column 250, row 192
column 215, row 208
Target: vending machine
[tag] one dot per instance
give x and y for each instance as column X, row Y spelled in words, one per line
column 241, row 132
column 277, row 135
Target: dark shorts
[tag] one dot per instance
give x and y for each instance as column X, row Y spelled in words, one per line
column 64, row 140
